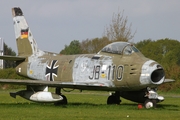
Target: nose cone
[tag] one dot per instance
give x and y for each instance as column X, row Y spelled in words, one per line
column 152, row 73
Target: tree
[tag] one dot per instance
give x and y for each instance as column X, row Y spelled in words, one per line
column 167, row 53
column 9, row 51
column 118, row 29
column 142, row 44
column 73, row 48
column 93, row 45
column 164, row 51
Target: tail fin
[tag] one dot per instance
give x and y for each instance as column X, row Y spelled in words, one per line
column 25, row 42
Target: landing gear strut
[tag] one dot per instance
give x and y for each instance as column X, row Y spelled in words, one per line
column 64, row 101
column 114, row 98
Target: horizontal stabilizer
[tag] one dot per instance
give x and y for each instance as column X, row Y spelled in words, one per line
column 12, row 58
column 13, row 94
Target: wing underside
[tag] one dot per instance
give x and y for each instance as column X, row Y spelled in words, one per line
column 82, row 86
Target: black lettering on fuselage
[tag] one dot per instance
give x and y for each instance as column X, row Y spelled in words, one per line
column 112, row 72
column 96, row 73
column 91, row 77
column 119, row 72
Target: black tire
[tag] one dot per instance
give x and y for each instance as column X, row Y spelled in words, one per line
column 113, row 100
column 63, row 102
column 149, row 103
column 154, row 103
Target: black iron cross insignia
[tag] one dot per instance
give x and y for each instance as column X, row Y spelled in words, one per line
column 51, row 70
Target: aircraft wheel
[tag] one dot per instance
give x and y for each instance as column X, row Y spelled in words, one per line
column 150, row 103
column 113, row 100
column 154, row 103
column 63, row 102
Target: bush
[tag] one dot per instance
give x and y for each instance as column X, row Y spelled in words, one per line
column 10, row 73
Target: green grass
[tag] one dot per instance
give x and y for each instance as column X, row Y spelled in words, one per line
column 88, row 105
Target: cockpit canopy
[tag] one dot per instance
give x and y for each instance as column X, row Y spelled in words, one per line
column 124, row 48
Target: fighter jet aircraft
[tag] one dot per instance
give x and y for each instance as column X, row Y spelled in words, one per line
column 119, row 67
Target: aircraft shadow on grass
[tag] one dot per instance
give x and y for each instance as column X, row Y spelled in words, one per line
column 170, row 107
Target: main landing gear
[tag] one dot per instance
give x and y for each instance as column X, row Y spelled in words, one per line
column 64, row 101
column 114, row 98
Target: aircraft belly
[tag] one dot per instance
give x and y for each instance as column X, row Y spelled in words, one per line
column 92, row 69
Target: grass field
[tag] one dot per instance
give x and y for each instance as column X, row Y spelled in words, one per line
column 88, row 105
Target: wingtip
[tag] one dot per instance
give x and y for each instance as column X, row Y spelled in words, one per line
column 16, row 11
column 169, row 80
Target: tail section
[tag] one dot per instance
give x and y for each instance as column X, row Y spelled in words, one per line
column 25, row 42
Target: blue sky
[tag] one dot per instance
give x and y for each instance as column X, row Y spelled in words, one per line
column 55, row 23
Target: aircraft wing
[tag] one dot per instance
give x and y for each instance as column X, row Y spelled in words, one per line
column 168, row 80
column 13, row 58
column 87, row 86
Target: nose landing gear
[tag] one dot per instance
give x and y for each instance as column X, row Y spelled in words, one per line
column 152, row 98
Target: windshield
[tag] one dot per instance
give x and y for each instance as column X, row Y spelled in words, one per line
column 120, row 48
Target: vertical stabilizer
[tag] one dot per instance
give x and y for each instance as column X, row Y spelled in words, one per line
column 26, row 44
